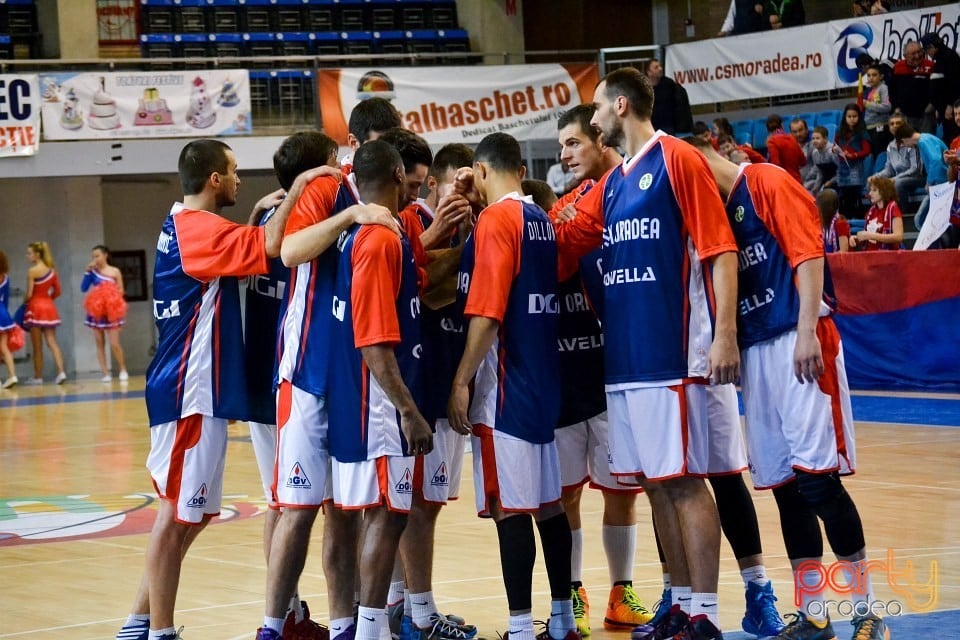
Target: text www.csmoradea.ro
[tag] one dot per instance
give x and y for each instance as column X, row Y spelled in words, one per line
column 751, row 68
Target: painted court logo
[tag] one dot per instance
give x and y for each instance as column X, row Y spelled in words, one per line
column 406, row 482
column 297, row 479
column 848, row 579
column 440, row 478
column 199, row 499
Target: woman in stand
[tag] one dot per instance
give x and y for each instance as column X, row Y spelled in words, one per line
column 883, row 228
column 41, row 317
column 106, row 309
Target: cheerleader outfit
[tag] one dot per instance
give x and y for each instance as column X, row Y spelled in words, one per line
column 6, row 322
column 105, row 306
column 41, row 312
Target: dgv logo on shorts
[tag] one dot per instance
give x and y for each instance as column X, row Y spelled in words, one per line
column 406, row 482
column 199, row 499
column 440, row 476
column 297, row 479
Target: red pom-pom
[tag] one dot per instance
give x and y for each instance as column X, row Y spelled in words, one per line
column 16, row 338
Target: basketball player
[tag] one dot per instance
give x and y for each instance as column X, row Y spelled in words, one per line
column 368, row 120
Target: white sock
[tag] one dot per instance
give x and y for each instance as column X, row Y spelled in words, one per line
column 756, row 574
column 620, row 545
column 561, row 618
column 705, row 604
column 157, row 634
column 811, row 602
column 423, row 607
column 861, row 587
column 369, row 623
column 296, row 607
column 339, row 625
column 273, row 623
column 521, row 627
column 576, row 556
column 666, row 581
column 682, row 596
column 407, row 607
column 385, row 625
column 396, row 593
column 136, row 617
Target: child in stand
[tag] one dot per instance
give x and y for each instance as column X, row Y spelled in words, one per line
column 836, row 229
column 851, row 146
column 823, row 159
column 883, row 226
column 876, row 103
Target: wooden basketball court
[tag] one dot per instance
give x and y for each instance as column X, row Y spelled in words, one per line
column 76, row 505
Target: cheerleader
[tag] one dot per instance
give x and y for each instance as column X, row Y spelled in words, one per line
column 41, row 317
column 106, row 309
column 9, row 331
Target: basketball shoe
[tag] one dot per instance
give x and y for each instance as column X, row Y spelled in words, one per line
column 870, row 627
column 176, row 635
column 442, row 628
column 263, row 633
column 136, row 630
column 306, row 629
column 670, row 625
column 581, row 609
column 699, row 628
column 624, row 609
column 761, row 618
column 802, row 628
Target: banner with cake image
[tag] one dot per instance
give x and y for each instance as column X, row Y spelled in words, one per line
column 85, row 106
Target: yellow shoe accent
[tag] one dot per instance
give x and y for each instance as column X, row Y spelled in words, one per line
column 625, row 609
column 581, row 610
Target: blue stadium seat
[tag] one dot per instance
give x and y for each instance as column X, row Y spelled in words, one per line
column 226, row 46
column 831, row 131
column 829, row 117
column 258, row 44
column 356, row 43
column 294, row 43
column 759, row 133
column 327, row 43
column 868, row 164
column 454, row 41
column 743, row 131
column 809, row 118
column 856, row 224
column 192, row 45
column 880, row 163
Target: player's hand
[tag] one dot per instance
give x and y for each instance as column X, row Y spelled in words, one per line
column 375, row 214
column 417, row 432
column 451, row 211
column 807, row 357
column 723, row 361
column 269, row 201
column 567, row 214
column 310, row 175
column 464, row 185
column 457, row 408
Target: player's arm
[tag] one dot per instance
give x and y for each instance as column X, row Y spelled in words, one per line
column 276, row 226
column 264, row 204
column 382, row 362
column 723, row 361
column 807, row 356
column 305, row 245
column 481, row 332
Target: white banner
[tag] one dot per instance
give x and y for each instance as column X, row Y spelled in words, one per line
column 85, row 106
column 19, row 115
column 938, row 217
column 801, row 59
column 461, row 104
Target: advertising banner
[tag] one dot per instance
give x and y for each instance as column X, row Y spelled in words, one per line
column 461, row 104
column 90, row 106
column 801, row 59
column 19, row 115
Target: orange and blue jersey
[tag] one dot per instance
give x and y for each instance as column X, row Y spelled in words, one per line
column 303, row 340
column 777, row 227
column 657, row 216
column 198, row 367
column 375, row 302
column 264, row 301
column 508, row 274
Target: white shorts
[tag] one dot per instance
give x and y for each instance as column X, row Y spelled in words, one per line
column 793, row 426
column 361, row 485
column 658, row 432
column 437, row 474
column 521, row 476
column 584, row 455
column 726, row 451
column 186, row 464
column 301, row 475
column 264, row 439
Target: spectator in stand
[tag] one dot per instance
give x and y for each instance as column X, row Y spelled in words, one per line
column 903, row 163
column 910, row 87
column 823, row 160
column 783, row 149
column 726, row 145
column 870, row 7
column 801, row 133
column 951, row 129
column 561, row 178
column 784, row 13
column 883, row 226
column 744, row 16
column 836, row 229
column 851, row 146
column 930, row 149
column 720, row 126
column 876, row 100
column 951, row 239
column 671, row 107
column 702, row 131
column 945, row 79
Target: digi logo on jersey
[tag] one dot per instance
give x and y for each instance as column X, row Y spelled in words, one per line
column 199, row 499
column 440, row 476
column 297, row 479
column 539, row 303
column 267, row 286
column 405, row 485
column 164, row 310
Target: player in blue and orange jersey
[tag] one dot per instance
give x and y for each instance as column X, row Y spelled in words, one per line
column 298, row 153
column 368, row 120
column 441, row 211
column 326, row 208
column 796, row 400
column 659, row 219
column 508, row 284
column 195, row 380
column 375, row 425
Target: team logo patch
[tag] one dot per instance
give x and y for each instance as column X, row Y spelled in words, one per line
column 646, row 180
column 440, row 478
column 738, row 214
column 297, row 479
column 199, row 499
column 406, row 482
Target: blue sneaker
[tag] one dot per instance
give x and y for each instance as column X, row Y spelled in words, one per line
column 667, row 627
column 264, row 633
column 761, row 618
column 660, row 611
column 136, row 631
column 344, row 634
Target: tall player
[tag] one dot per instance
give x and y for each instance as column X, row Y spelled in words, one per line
column 193, row 379
column 659, row 219
column 375, row 425
column 582, row 428
column 298, row 153
column 795, row 395
column 368, row 120
column 509, row 281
